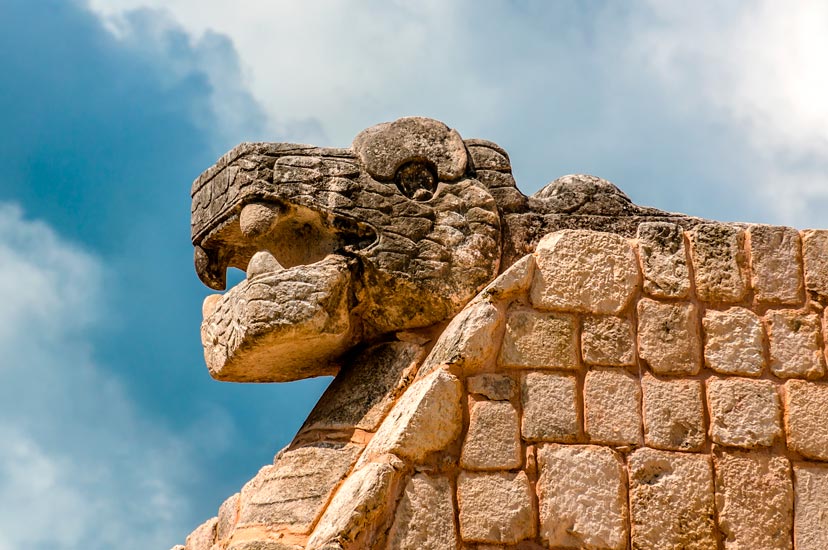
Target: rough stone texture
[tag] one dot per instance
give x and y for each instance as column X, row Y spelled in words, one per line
column 673, row 414
column 733, row 341
column 795, row 344
column 754, row 498
column 671, row 501
column 262, row 545
column 513, row 281
column 542, row 422
column 497, row 387
column 294, row 490
column 227, row 517
column 539, row 340
column 470, row 340
column 583, row 497
column 203, row 537
column 776, row 264
column 811, row 511
column 612, row 407
column 815, row 258
column 668, row 337
column 663, row 260
column 424, row 519
column 806, row 418
column 607, row 341
column 493, row 439
column 744, row 413
column 584, row 271
column 496, row 507
column 719, row 262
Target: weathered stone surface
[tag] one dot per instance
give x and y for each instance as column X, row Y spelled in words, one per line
column 719, row 262
column 733, row 341
column 673, row 414
column 362, row 393
column 811, row 511
column 671, row 501
column 744, row 413
column 776, row 264
column 496, row 507
column 294, row 490
column 535, row 339
column 427, row 417
column 584, row 271
column 583, row 497
column 795, row 350
column 227, row 517
column 815, row 258
column 488, row 155
column 668, row 337
column 663, row 260
column 607, row 341
column 497, row 387
column 493, row 439
column 424, row 519
column 542, row 422
column 806, row 418
column 470, row 340
column 754, row 498
column 513, row 281
column 612, row 407
column 203, row 537
column 262, row 545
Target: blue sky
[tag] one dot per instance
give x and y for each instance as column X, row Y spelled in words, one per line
column 113, row 433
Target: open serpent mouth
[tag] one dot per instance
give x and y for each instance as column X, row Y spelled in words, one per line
column 291, row 315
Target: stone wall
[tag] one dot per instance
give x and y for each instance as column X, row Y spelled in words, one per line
column 663, row 392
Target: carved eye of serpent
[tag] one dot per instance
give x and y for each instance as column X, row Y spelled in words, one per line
column 416, row 180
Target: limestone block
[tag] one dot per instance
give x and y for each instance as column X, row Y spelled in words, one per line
column 811, row 512
column 776, row 264
column 612, row 407
column 471, row 339
column 815, row 258
column 719, row 262
column 733, row 341
column 806, row 418
column 493, row 439
column 583, row 497
column 513, row 281
column 607, row 340
column 584, row 271
column 744, row 413
column 424, row 519
column 550, row 408
column 673, row 414
column 671, row 501
column 663, row 260
column 496, row 507
column 426, row 418
column 754, row 498
column 668, row 337
column 203, row 537
column 227, row 517
column 294, row 490
column 795, row 344
column 535, row 339
column 262, row 545
column 497, row 387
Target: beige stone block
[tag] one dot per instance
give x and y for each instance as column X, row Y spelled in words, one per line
column 497, row 387
column 607, row 341
column 733, row 341
column 496, row 507
column 539, row 340
column 754, row 499
column 671, row 501
column 586, row 271
column 612, row 407
column 806, row 418
column 811, row 508
column 719, row 262
column 493, row 439
column 471, row 339
column 795, row 344
column 668, row 337
column 424, row 519
column 260, row 545
column 583, row 497
column 776, row 264
column 815, row 258
column 663, row 260
column 744, row 413
column 203, row 537
column 227, row 517
column 550, row 407
column 673, row 414
column 513, row 281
